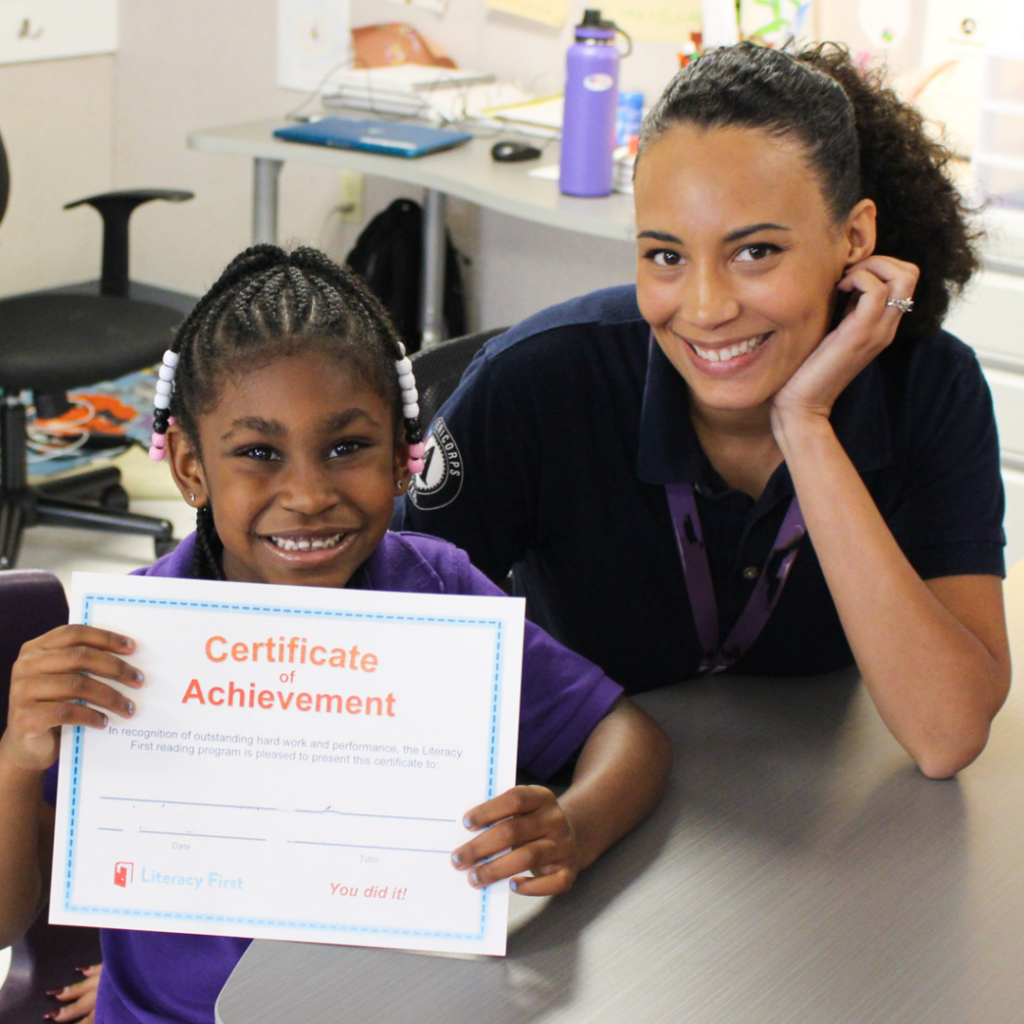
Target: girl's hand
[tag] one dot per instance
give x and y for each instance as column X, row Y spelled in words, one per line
column 49, row 683
column 867, row 327
column 526, row 830
column 79, row 1000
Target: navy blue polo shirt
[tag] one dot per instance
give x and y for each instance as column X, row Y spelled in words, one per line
column 553, row 454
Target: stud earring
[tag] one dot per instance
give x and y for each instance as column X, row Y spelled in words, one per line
column 191, row 497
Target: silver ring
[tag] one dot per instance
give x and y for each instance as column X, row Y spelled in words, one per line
column 903, row 305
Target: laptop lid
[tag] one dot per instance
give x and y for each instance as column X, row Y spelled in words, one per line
column 393, row 138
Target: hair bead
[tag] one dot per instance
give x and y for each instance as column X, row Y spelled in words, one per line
column 162, row 402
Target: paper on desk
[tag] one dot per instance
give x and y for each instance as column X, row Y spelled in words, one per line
column 298, row 766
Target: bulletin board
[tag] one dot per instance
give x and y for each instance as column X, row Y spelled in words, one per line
column 50, row 29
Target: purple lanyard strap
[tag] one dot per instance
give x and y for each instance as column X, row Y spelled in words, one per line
column 697, row 573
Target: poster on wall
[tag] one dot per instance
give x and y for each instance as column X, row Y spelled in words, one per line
column 546, row 12
column 775, row 21
column 50, row 29
column 655, row 21
column 313, row 39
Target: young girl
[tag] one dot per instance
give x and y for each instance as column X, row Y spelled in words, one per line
column 294, row 427
column 737, row 435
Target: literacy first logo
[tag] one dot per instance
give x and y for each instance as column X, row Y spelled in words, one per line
column 124, row 872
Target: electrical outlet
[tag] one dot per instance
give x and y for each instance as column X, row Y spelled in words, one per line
column 350, row 197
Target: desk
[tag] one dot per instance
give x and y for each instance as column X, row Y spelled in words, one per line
column 799, row 871
column 467, row 172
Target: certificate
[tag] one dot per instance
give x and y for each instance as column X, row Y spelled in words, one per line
column 298, row 766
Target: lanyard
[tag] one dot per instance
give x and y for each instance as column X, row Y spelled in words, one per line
column 690, row 538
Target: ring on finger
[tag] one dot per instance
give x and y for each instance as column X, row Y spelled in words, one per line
column 903, row 305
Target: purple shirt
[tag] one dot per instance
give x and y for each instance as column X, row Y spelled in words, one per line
column 156, row 977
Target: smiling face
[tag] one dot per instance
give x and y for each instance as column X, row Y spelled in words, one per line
column 299, row 462
column 738, row 258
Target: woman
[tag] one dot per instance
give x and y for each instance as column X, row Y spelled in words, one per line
column 730, row 466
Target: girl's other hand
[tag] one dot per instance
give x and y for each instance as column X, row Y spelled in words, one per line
column 867, row 327
column 79, row 999
column 52, row 683
column 526, row 830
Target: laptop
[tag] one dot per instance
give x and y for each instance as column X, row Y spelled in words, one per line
column 393, row 138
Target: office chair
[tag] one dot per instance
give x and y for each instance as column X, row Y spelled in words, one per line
column 53, row 342
column 32, row 603
column 439, row 369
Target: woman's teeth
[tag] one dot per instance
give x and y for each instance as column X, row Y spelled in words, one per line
column 306, row 543
column 723, row 355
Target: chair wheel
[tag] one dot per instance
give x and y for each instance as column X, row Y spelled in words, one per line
column 114, row 497
column 164, row 547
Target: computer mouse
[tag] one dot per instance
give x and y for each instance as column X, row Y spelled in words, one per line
column 513, row 152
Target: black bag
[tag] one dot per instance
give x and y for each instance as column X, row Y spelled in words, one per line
column 388, row 255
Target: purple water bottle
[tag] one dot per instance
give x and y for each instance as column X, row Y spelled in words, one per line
column 591, row 99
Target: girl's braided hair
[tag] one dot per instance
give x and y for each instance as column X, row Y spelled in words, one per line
column 860, row 139
column 270, row 303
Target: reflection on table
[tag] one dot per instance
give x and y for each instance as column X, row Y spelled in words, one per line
column 800, row 871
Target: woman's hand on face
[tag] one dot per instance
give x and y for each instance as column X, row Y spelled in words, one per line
column 52, row 684
column 867, row 327
column 526, row 830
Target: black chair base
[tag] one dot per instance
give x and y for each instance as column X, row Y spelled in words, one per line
column 50, row 504
column 22, row 509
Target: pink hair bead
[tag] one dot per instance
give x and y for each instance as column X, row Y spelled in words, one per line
column 418, row 450
column 156, row 454
column 416, row 466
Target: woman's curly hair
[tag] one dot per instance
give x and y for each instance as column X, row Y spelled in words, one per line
column 861, row 140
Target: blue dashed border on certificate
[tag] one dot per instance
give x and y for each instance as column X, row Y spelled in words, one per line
column 311, row 929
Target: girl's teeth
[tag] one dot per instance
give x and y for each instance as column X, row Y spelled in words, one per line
column 306, row 543
column 723, row 355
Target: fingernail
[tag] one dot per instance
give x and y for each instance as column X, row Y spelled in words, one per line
column 130, row 708
column 83, row 970
column 126, row 642
column 474, row 878
column 52, row 1015
column 55, row 991
column 139, row 677
column 467, row 822
column 513, row 885
column 455, row 858
column 106, row 722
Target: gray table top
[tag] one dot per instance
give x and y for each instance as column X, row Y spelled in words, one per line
column 800, row 869
column 467, row 172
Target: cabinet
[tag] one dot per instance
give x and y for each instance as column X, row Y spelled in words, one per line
column 990, row 320
column 47, row 29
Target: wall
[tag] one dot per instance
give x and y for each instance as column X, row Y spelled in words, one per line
column 122, row 121
column 193, row 64
column 57, row 123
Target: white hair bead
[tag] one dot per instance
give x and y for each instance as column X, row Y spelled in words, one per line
column 163, row 387
column 410, row 396
column 166, row 372
column 162, row 401
column 403, row 366
column 410, row 412
column 170, row 359
column 401, row 348
column 406, row 381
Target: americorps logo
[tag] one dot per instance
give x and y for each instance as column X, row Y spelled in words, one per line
column 441, row 480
